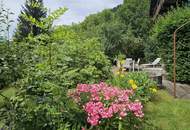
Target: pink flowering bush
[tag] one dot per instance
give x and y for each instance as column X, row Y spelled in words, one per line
column 106, row 105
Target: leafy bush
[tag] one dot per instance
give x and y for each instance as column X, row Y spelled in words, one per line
column 108, row 107
column 48, row 70
column 143, row 86
column 17, row 57
column 10, row 64
column 80, row 61
column 163, row 42
column 41, row 104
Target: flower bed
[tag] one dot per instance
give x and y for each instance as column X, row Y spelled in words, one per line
column 104, row 104
column 144, row 88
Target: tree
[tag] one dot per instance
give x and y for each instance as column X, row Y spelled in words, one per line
column 119, row 39
column 5, row 23
column 35, row 9
column 135, row 13
column 123, row 29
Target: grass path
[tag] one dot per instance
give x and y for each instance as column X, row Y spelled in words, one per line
column 168, row 113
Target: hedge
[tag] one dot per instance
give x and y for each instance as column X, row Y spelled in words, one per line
column 162, row 35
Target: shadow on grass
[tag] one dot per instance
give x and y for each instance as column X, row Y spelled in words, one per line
column 168, row 113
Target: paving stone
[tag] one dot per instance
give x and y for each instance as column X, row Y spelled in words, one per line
column 182, row 90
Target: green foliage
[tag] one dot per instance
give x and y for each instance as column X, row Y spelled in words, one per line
column 116, row 40
column 162, row 35
column 123, row 29
column 34, row 9
column 145, row 86
column 10, row 64
column 81, row 61
column 135, row 14
column 91, row 27
column 6, row 93
column 40, row 104
column 46, row 23
column 50, row 66
column 16, row 58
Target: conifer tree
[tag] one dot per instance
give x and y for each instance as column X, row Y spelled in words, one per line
column 35, row 9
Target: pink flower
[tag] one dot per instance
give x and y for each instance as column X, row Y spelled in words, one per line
column 93, row 120
column 122, row 114
column 82, row 88
column 106, row 102
column 107, row 113
column 115, row 108
column 136, row 108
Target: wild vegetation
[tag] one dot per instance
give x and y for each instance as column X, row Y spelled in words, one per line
column 123, row 29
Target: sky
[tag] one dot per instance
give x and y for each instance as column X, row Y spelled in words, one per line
column 77, row 9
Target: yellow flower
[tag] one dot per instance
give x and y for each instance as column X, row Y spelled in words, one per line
column 131, row 81
column 117, row 72
column 154, row 90
column 123, row 62
column 122, row 75
column 134, row 86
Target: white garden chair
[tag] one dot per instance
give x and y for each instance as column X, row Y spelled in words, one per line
column 128, row 64
column 136, row 65
column 153, row 64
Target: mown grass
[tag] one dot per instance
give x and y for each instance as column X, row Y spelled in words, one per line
column 167, row 113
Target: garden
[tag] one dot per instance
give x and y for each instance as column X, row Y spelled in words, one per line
column 62, row 77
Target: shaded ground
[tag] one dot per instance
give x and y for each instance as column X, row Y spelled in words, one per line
column 167, row 113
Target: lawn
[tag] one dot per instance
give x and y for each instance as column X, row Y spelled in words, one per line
column 167, row 113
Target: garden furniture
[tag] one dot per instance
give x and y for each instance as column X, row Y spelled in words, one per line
column 153, row 64
column 136, row 65
column 128, row 64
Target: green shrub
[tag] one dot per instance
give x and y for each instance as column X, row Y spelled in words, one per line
column 49, row 70
column 162, row 35
column 144, row 87
column 41, row 104
column 78, row 60
column 10, row 64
